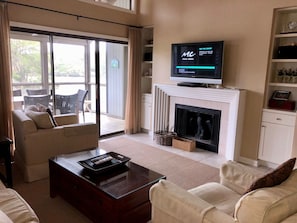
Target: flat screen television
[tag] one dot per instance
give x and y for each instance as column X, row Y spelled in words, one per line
column 200, row 63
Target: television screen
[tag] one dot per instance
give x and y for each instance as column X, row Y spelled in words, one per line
column 197, row 62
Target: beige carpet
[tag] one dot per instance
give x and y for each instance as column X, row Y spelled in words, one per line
column 182, row 171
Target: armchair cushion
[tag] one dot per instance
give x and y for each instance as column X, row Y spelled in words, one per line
column 223, row 198
column 277, row 176
column 171, row 203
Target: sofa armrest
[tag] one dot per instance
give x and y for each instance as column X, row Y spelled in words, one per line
column 170, row 203
column 238, row 177
column 22, row 123
column 66, row 119
column 270, row 204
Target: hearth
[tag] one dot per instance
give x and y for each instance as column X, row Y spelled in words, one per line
column 199, row 124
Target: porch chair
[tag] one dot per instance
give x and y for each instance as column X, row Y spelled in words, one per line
column 35, row 99
column 17, row 92
column 81, row 96
column 66, row 104
column 37, row 91
column 17, row 99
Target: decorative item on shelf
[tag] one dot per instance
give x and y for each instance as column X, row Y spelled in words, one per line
column 147, row 73
column 286, row 76
column 148, row 56
column 280, row 75
column 280, row 100
column 287, row 52
column 281, row 95
column 282, row 104
column 294, row 76
column 151, row 41
column 292, row 26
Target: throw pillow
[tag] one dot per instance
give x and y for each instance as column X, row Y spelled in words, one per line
column 41, row 107
column 31, row 108
column 41, row 119
column 276, row 177
column 52, row 117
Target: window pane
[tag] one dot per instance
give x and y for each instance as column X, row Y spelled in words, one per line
column 26, row 61
column 122, row 4
column 69, row 63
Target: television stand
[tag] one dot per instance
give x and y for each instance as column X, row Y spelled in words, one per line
column 190, row 84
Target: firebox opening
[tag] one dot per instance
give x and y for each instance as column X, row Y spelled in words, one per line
column 199, row 124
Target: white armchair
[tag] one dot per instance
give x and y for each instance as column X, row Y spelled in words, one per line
column 229, row 201
column 36, row 142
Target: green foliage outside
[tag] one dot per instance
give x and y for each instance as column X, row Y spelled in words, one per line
column 26, row 61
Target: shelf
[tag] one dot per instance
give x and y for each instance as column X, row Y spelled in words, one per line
column 147, row 76
column 285, row 112
column 286, row 35
column 293, row 85
column 149, row 45
column 284, row 60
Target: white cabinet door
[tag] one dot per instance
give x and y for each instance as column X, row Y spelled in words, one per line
column 276, row 142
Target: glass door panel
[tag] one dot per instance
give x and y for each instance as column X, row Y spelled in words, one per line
column 28, row 68
column 70, row 63
column 113, row 84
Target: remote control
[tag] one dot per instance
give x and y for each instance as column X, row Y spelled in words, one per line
column 100, row 160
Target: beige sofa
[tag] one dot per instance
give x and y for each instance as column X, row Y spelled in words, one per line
column 13, row 208
column 36, row 141
column 226, row 201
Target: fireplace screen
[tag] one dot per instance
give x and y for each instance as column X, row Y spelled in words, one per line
column 199, row 124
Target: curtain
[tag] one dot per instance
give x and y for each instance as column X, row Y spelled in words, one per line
column 133, row 101
column 6, row 128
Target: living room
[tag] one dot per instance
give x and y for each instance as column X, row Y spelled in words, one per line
column 245, row 28
column 246, row 54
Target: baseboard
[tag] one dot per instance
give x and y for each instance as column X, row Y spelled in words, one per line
column 256, row 163
column 267, row 164
column 248, row 161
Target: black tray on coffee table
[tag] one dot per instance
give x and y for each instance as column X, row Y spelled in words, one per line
column 110, row 161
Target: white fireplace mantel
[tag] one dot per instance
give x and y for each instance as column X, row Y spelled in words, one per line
column 230, row 101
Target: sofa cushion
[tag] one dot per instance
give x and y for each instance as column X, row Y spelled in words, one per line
column 291, row 219
column 4, row 218
column 15, row 207
column 223, row 198
column 276, row 177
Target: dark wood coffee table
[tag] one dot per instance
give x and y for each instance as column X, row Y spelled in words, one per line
column 120, row 195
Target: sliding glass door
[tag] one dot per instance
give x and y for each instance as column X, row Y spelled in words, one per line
column 68, row 67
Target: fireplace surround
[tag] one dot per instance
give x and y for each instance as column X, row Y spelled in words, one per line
column 230, row 102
